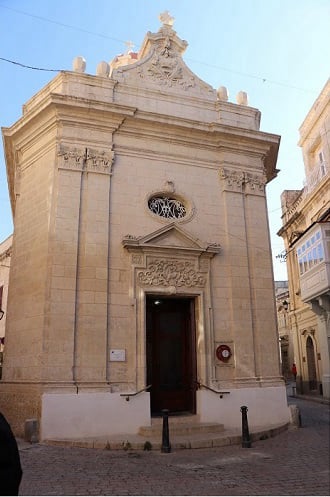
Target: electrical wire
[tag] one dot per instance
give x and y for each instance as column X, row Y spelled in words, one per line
column 69, row 26
column 29, row 67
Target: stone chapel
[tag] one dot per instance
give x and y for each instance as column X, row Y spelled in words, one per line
column 141, row 273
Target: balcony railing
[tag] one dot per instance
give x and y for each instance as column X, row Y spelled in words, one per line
column 315, row 176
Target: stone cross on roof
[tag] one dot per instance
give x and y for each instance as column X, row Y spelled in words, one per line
column 166, row 18
column 130, row 45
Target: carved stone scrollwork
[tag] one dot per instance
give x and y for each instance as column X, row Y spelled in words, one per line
column 99, row 161
column 242, row 181
column 168, row 273
column 71, row 158
column 137, row 259
column 255, row 183
column 233, row 180
column 130, row 237
column 93, row 160
column 166, row 67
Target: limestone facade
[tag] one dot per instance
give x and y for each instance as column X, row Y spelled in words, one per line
column 140, row 185
column 306, row 234
column 285, row 338
column 5, row 256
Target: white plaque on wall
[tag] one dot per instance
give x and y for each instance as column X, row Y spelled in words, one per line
column 118, row 355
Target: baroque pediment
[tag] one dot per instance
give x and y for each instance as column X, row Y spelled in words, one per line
column 160, row 65
column 170, row 237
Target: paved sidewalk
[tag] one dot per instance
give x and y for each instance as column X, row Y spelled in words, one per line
column 296, row 462
column 291, row 391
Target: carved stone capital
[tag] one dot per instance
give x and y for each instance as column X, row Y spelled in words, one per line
column 241, row 181
column 78, row 159
column 71, row 158
column 231, row 179
column 99, row 161
column 255, row 183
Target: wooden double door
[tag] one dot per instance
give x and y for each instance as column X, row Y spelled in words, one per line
column 171, row 354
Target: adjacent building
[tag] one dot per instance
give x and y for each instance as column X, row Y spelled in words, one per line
column 306, row 234
column 284, row 333
column 5, row 256
column 141, row 263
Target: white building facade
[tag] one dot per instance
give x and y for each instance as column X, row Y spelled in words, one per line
column 141, row 228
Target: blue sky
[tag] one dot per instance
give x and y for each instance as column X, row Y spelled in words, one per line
column 278, row 51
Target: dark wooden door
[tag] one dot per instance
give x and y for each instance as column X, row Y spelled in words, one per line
column 171, row 357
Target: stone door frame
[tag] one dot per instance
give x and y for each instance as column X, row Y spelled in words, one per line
column 170, row 262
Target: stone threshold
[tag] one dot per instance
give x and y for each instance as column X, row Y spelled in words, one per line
column 193, row 441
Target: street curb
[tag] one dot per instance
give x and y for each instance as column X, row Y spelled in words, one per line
column 136, row 442
column 310, row 398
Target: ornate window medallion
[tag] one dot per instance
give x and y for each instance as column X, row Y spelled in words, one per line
column 168, row 207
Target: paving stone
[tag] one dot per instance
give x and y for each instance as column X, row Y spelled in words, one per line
column 294, row 462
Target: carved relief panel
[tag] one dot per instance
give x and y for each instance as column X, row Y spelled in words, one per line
column 170, row 272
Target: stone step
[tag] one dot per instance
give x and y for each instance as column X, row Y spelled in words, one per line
column 181, row 428
column 129, row 442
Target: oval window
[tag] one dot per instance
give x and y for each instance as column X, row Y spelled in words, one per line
column 167, row 207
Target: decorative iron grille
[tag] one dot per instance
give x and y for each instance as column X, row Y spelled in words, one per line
column 167, row 207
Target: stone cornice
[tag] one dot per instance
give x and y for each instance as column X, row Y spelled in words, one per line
column 67, row 83
column 73, row 108
column 285, row 228
column 210, row 135
column 176, row 158
column 65, row 105
column 82, row 104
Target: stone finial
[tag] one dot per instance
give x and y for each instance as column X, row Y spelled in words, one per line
column 166, row 19
column 103, row 69
column 222, row 93
column 169, row 186
column 242, row 98
column 79, row 64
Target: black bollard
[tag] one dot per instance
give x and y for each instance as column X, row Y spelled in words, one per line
column 246, row 441
column 166, row 446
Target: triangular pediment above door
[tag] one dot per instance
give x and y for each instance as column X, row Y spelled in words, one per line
column 170, row 237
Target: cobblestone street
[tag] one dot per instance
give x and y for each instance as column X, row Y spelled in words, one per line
column 295, row 462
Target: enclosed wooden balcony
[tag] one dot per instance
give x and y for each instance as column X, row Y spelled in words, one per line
column 313, row 253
